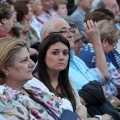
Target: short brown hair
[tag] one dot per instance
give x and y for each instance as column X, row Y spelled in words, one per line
column 57, row 2
column 5, row 11
column 21, row 9
column 96, row 16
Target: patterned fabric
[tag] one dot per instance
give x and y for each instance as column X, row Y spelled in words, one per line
column 3, row 33
column 117, row 57
column 88, row 56
column 15, row 104
column 66, row 104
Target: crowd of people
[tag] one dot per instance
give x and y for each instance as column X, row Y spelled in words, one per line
column 59, row 64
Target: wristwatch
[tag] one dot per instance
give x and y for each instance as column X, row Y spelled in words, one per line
column 99, row 117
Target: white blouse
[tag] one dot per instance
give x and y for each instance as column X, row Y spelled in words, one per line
column 66, row 104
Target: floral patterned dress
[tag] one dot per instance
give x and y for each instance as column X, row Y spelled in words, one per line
column 15, row 105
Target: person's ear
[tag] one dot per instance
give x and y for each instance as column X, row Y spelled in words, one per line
column 3, row 21
column 104, row 42
column 5, row 70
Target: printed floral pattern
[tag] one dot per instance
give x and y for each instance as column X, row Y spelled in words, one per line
column 88, row 56
column 15, row 104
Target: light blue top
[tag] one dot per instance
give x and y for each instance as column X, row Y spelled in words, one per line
column 79, row 72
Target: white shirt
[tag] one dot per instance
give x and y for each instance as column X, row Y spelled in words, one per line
column 37, row 26
column 66, row 104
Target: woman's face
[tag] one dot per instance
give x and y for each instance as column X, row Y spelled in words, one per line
column 39, row 8
column 21, row 69
column 9, row 23
column 108, row 47
column 57, row 57
column 62, row 9
column 30, row 13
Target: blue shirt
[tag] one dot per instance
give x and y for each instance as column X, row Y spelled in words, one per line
column 88, row 56
column 79, row 72
column 79, row 15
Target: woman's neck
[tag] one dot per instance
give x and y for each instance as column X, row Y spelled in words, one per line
column 53, row 78
column 15, row 85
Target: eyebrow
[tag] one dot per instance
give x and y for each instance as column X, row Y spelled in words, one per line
column 65, row 28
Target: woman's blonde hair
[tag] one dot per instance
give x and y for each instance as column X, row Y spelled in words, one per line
column 35, row 4
column 108, row 31
column 9, row 47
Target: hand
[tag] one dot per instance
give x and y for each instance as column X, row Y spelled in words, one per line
column 106, row 117
column 92, row 32
column 25, row 29
column 82, row 112
column 115, row 99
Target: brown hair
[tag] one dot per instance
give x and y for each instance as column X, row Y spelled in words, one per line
column 57, row 2
column 5, row 11
column 21, row 9
column 63, row 81
column 97, row 16
column 9, row 47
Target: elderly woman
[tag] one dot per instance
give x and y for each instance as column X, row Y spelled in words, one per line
column 18, row 102
column 109, row 37
column 26, row 101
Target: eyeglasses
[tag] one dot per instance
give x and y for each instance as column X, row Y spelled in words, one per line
column 65, row 31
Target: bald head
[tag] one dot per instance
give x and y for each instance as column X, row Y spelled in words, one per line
column 52, row 25
column 58, row 25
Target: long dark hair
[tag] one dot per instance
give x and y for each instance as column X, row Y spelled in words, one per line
column 63, row 80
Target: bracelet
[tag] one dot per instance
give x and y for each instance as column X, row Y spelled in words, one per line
column 98, row 116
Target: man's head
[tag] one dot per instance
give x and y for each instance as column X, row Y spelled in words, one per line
column 85, row 5
column 113, row 6
column 61, row 26
column 110, row 5
column 47, row 5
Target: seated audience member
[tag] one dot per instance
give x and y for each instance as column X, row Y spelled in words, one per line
column 77, row 67
column 84, row 6
column 78, row 44
column 24, row 17
column 113, row 6
column 101, row 14
column 7, row 19
column 47, row 11
column 109, row 37
column 59, row 25
column 54, row 72
column 37, row 10
column 17, row 99
column 60, row 7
